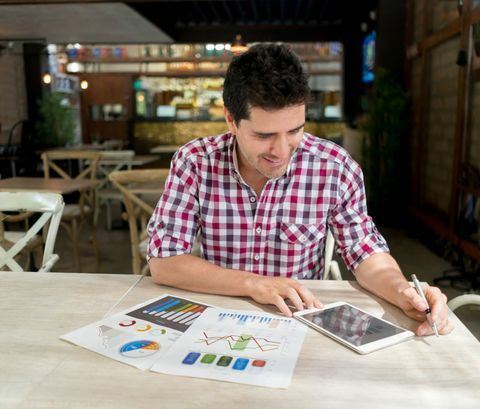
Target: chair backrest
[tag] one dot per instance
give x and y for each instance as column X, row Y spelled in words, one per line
column 51, row 205
column 88, row 160
column 461, row 300
column 134, row 185
column 331, row 268
column 112, row 161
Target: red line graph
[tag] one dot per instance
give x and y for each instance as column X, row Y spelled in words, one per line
column 263, row 344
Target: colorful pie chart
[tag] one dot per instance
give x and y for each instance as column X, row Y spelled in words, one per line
column 139, row 349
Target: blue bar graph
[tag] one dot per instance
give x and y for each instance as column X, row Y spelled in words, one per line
column 253, row 319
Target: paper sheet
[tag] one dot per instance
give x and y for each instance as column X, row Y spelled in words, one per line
column 237, row 346
column 142, row 334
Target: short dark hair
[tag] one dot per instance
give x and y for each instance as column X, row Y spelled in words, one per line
column 268, row 76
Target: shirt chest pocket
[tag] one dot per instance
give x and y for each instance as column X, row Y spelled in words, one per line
column 304, row 235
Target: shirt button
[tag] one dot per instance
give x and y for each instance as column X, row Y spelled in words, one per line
column 302, row 238
column 252, row 199
column 258, row 230
column 257, row 257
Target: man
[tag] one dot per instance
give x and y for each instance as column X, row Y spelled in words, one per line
column 262, row 197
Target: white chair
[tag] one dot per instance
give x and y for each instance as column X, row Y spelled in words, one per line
column 51, row 205
column 331, row 268
column 461, row 300
column 110, row 161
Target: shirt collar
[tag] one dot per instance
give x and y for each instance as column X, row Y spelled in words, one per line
column 232, row 157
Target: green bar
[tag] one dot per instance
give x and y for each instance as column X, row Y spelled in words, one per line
column 208, row 358
column 182, row 307
column 224, row 361
column 242, row 343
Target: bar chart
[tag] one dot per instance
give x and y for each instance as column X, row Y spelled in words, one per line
column 171, row 312
column 256, row 320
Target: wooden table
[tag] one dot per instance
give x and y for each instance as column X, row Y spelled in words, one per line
column 165, row 149
column 40, row 184
column 138, row 160
column 40, row 371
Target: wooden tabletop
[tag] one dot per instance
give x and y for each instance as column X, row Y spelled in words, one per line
column 40, row 184
column 165, row 149
column 40, row 371
column 138, row 160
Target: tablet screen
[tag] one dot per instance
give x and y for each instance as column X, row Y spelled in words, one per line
column 352, row 325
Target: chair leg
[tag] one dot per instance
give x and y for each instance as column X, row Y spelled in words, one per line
column 145, row 269
column 37, row 257
column 96, row 211
column 95, row 245
column 27, row 263
column 136, row 264
column 109, row 214
column 74, row 236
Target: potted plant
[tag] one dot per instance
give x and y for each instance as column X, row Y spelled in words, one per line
column 56, row 124
column 385, row 125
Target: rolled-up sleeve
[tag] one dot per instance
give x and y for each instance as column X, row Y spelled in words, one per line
column 356, row 234
column 173, row 225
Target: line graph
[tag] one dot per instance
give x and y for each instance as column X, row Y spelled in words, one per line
column 240, row 342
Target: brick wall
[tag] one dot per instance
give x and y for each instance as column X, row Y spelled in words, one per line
column 440, row 124
column 13, row 105
column 416, row 104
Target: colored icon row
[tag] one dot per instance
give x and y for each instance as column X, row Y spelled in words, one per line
column 239, row 364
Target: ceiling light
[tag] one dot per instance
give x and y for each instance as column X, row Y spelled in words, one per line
column 47, row 78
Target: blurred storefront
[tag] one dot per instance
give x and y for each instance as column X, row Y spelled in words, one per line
column 150, row 95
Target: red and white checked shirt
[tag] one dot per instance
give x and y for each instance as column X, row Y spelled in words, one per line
column 282, row 232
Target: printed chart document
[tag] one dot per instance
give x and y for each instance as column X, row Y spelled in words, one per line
column 142, row 334
column 237, row 346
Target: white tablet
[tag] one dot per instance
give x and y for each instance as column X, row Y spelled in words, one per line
column 353, row 327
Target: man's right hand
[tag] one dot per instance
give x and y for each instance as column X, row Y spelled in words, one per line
column 275, row 290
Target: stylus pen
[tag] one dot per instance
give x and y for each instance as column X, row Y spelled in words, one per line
column 420, row 292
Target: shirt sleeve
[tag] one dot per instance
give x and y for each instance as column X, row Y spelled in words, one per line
column 173, row 225
column 356, row 235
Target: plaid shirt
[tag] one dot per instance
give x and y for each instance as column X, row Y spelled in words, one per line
column 282, row 232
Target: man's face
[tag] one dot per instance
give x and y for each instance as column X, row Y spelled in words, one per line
column 267, row 141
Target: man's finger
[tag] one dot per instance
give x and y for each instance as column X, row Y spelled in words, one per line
column 414, row 299
column 282, row 306
column 294, row 297
column 437, row 304
column 308, row 298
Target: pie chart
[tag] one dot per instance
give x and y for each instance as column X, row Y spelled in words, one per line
column 139, row 349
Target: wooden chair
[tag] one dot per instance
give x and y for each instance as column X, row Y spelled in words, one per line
column 110, row 161
column 135, row 185
column 76, row 214
column 13, row 244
